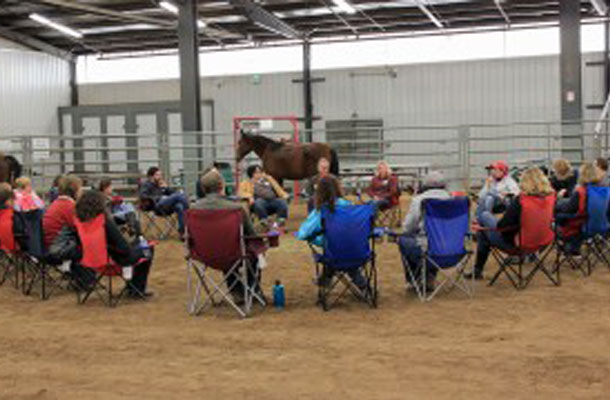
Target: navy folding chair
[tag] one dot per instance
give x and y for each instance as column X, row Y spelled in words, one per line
column 446, row 223
column 348, row 252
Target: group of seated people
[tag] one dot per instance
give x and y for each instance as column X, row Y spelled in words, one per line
column 73, row 205
column 498, row 210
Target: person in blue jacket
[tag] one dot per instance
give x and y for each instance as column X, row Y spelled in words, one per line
column 328, row 194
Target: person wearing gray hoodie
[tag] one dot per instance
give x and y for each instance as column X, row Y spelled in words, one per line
column 413, row 240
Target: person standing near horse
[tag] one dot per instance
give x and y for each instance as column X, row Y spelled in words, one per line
column 264, row 195
column 165, row 200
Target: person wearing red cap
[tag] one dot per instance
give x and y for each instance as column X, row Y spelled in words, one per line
column 498, row 189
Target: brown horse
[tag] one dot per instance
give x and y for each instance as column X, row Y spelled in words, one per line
column 287, row 160
column 10, row 169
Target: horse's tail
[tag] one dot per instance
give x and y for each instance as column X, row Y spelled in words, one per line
column 334, row 162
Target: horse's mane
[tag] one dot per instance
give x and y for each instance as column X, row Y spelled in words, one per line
column 271, row 143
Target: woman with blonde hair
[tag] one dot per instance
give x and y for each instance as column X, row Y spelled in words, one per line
column 564, row 177
column 501, row 232
column 576, row 204
column 383, row 189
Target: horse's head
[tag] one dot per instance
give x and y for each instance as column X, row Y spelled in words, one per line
column 244, row 146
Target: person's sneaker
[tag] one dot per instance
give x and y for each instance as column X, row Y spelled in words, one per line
column 471, row 275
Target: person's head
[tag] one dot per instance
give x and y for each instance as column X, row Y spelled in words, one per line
column 602, row 163
column 90, row 204
column 154, row 174
column 212, row 182
column 70, row 185
column 323, row 166
column 254, row 172
column 105, row 186
column 23, row 183
column 589, row 173
column 56, row 180
column 498, row 169
column 434, row 180
column 383, row 170
column 562, row 168
column 6, row 195
column 535, row 183
column 327, row 192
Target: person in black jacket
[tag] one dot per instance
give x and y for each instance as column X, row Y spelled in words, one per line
column 91, row 204
column 502, row 232
column 564, row 178
column 165, row 201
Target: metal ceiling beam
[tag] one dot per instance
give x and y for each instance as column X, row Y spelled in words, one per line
column 264, row 18
column 108, row 13
column 35, row 44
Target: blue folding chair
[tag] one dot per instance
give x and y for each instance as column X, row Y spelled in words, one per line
column 446, row 223
column 595, row 229
column 348, row 251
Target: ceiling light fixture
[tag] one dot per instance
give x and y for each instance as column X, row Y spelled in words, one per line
column 172, row 8
column 600, row 6
column 429, row 14
column 344, row 6
column 62, row 28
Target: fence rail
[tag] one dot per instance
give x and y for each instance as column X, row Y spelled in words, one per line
column 460, row 151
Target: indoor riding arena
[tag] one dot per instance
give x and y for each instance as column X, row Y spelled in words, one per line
column 304, row 199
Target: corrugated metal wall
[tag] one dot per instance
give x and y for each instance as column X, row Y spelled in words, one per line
column 32, row 86
column 438, row 94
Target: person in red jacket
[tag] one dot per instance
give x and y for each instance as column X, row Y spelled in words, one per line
column 61, row 212
column 383, row 189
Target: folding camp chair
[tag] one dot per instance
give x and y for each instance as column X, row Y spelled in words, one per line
column 216, row 241
column 11, row 267
column 156, row 224
column 39, row 275
column 596, row 227
column 533, row 242
column 564, row 253
column 348, row 248
column 97, row 262
column 446, row 223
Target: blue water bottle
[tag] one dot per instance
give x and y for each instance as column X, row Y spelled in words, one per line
column 279, row 299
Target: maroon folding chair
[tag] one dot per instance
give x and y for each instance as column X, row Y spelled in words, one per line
column 215, row 242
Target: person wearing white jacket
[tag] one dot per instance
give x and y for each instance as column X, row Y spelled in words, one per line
column 498, row 189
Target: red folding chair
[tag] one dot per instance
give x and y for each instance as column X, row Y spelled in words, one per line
column 215, row 242
column 532, row 243
column 92, row 235
column 11, row 268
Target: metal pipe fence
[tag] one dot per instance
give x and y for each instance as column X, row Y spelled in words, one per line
column 460, row 152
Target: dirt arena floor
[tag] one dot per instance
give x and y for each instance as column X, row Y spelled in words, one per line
column 543, row 342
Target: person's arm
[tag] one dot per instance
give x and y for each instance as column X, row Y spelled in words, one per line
column 310, row 227
column 118, row 248
column 512, row 216
column 512, row 187
column 568, row 206
column 394, row 191
column 279, row 191
column 246, row 190
column 247, row 222
column 411, row 223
